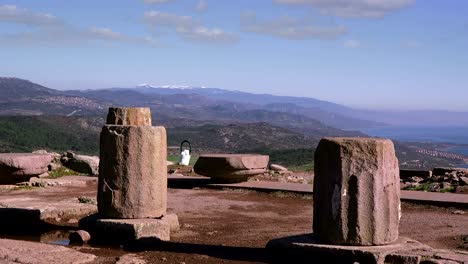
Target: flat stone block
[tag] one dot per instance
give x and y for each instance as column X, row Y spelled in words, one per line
column 18, row 167
column 123, row 230
column 134, row 229
column 305, row 248
column 231, row 168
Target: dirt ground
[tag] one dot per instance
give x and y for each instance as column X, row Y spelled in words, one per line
column 233, row 226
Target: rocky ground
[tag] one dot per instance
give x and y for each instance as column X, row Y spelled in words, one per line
column 231, row 226
column 438, row 180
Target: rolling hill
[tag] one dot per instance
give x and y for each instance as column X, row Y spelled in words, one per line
column 214, row 120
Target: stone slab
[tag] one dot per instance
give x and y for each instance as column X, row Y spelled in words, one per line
column 267, row 186
column 124, row 230
column 38, row 208
column 14, row 251
column 17, row 167
column 63, row 181
column 433, row 198
column 307, row 246
column 231, row 167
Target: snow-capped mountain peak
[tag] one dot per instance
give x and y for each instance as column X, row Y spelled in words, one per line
column 144, row 85
column 176, row 87
column 183, row 87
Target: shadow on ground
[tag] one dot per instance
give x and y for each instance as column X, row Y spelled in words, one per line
column 217, row 251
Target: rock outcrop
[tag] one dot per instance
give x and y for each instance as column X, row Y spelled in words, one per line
column 441, row 180
column 277, row 168
column 81, row 163
column 18, row 167
column 356, row 191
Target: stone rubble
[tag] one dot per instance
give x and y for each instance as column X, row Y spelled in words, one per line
column 439, row 180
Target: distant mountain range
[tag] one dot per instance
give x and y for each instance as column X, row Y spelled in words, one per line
column 20, row 96
column 213, row 119
column 329, row 113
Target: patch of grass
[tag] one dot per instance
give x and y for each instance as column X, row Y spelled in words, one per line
column 86, row 200
column 425, row 187
column 446, row 190
column 304, row 167
column 63, row 171
column 428, row 187
column 25, row 188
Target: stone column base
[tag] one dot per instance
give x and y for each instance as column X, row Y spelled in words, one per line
column 126, row 230
column 307, row 249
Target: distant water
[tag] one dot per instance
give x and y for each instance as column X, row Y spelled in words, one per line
column 456, row 135
column 459, row 150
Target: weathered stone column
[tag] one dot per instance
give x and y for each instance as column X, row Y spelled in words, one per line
column 129, row 116
column 356, row 191
column 132, row 169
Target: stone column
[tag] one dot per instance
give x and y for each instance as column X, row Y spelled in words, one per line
column 129, row 116
column 356, row 192
column 132, row 169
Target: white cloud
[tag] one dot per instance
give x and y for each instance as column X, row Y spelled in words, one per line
column 201, row 6
column 48, row 29
column 290, row 28
column 157, row 1
column 186, row 27
column 13, row 14
column 106, row 33
column 206, row 34
column 352, row 44
column 352, row 8
column 162, row 19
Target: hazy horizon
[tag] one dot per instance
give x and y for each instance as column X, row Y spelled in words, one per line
column 383, row 55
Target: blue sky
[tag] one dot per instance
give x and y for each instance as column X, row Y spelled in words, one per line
column 380, row 54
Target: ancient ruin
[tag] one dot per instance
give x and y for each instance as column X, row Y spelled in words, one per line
column 231, row 168
column 132, row 188
column 356, row 192
column 17, row 167
column 356, row 208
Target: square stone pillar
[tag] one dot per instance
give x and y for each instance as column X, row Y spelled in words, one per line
column 356, row 192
